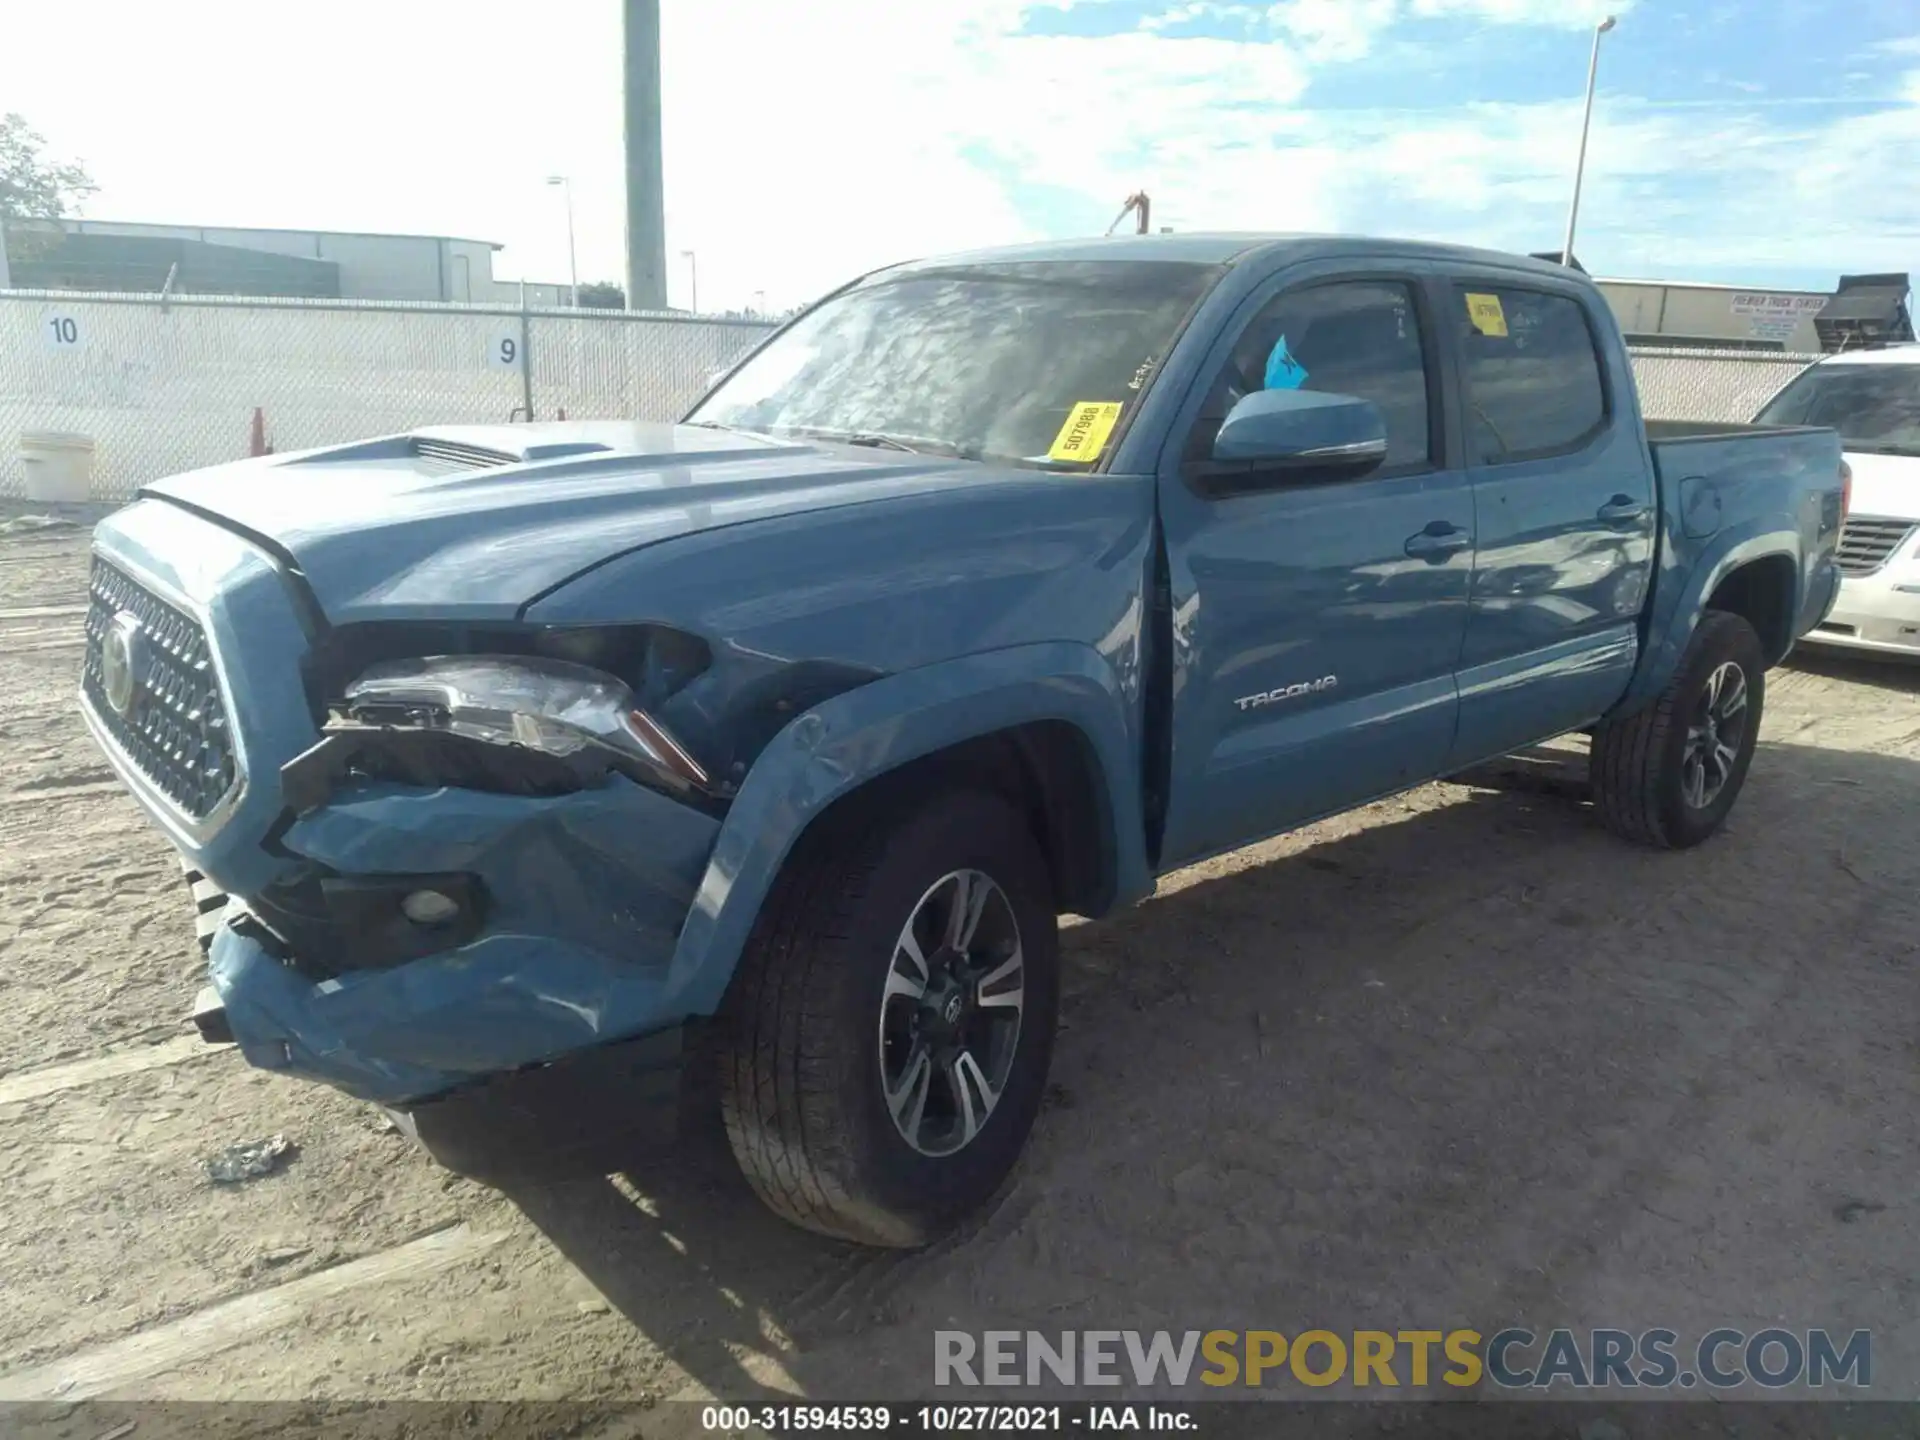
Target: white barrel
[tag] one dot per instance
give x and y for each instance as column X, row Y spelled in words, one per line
column 59, row 466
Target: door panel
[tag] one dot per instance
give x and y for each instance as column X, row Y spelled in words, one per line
column 1290, row 590
column 1564, row 513
column 1316, row 626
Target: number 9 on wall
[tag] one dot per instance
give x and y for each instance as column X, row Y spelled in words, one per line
column 503, row 351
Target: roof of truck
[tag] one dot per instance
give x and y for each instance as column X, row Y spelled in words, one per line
column 1227, row 247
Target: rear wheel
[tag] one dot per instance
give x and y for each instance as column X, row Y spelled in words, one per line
column 1668, row 775
column 886, row 1039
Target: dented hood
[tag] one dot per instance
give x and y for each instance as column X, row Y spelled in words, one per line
column 479, row 521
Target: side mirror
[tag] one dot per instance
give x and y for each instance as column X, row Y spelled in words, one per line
column 1289, row 436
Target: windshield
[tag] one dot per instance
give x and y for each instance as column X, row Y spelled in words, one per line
column 1876, row 408
column 1033, row 363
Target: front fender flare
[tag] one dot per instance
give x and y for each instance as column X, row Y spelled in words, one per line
column 1682, row 600
column 847, row 741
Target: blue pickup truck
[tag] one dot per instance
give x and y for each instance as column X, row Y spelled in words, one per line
column 539, row 782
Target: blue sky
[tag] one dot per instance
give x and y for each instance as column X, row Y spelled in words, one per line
column 1709, row 116
column 1764, row 142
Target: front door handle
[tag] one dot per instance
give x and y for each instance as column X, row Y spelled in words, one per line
column 1621, row 509
column 1437, row 542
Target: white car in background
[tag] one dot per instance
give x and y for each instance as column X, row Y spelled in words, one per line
column 1873, row 399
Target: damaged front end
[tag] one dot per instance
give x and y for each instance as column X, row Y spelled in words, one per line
column 491, row 858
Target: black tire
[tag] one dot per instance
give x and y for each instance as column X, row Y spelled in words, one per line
column 1640, row 768
column 801, row 1041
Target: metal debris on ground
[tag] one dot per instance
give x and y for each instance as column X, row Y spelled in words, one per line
column 21, row 524
column 239, row 1163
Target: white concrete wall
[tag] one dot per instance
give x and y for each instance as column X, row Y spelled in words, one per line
column 163, row 389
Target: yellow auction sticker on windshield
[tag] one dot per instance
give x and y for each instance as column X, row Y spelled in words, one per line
column 1084, row 436
column 1486, row 315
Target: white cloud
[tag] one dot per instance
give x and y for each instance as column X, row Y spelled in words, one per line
column 807, row 143
column 1565, row 14
column 1185, row 13
column 1333, row 31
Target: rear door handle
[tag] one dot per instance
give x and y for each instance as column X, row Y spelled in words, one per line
column 1621, row 509
column 1437, row 542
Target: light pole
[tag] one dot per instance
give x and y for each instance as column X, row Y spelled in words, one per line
column 573, row 265
column 1586, row 123
column 693, row 282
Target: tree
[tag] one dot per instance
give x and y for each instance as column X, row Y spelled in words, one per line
column 602, row 295
column 32, row 186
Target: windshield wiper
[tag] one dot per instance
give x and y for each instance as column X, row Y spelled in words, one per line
column 875, row 440
column 881, row 442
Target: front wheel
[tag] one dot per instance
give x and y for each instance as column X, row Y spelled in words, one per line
column 1668, row 775
column 886, row 1039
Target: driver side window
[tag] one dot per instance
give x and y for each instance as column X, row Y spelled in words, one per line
column 1357, row 338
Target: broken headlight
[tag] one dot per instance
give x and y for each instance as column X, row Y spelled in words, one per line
column 552, row 706
column 505, row 723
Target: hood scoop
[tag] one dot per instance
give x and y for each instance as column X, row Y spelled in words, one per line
column 441, row 455
column 448, row 455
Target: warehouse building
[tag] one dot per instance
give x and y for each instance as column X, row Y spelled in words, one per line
column 1863, row 312
column 213, row 260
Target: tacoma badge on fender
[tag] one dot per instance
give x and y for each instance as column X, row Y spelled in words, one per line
column 1288, row 692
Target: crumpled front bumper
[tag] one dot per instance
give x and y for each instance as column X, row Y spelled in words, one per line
column 584, row 895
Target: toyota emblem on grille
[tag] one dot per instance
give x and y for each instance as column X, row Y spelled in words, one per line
column 119, row 662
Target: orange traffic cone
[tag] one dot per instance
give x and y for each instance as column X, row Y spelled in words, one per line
column 257, row 438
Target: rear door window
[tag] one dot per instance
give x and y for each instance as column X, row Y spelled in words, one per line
column 1534, row 382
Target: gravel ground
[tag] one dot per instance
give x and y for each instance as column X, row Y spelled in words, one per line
column 1458, row 1058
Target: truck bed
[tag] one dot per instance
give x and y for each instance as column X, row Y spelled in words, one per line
column 1667, row 432
column 1711, row 472
column 1727, row 454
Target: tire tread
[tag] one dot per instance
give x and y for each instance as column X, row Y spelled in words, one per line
column 1624, row 765
column 786, row 1149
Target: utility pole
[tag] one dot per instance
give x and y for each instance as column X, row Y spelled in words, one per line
column 646, row 205
column 1586, row 123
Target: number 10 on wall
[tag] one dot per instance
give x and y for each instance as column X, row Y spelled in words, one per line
column 62, row 332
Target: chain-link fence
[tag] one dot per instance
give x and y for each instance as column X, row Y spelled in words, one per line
column 1711, row 384
column 161, row 387
column 165, row 386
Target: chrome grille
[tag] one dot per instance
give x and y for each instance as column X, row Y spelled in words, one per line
column 1866, row 543
column 175, row 729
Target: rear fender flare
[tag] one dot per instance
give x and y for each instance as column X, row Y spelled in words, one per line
column 857, row 737
column 1674, row 619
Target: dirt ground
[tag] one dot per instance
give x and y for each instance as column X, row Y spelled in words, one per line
column 1459, row 1058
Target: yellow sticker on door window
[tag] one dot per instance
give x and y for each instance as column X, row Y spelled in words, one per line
column 1487, row 316
column 1084, row 436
